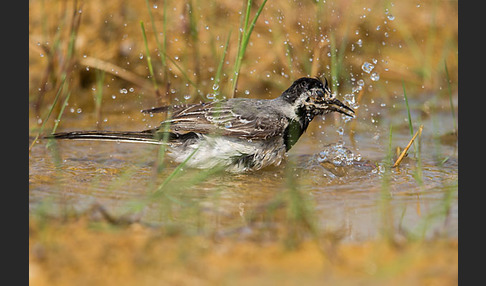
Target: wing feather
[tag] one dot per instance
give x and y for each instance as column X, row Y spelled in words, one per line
column 236, row 118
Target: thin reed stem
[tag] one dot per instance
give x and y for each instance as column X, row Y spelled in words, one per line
column 149, row 59
column 217, row 78
column 98, row 96
column 408, row 109
column 449, row 88
column 245, row 33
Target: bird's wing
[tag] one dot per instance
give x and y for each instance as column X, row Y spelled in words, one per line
column 229, row 118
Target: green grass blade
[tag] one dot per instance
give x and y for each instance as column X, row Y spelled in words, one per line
column 246, row 38
column 154, row 28
column 61, row 87
column 61, row 112
column 410, row 124
column 165, row 138
column 334, row 64
column 449, row 88
column 98, row 97
column 51, row 145
column 408, row 109
column 386, row 211
column 174, row 173
column 149, row 59
column 163, row 48
column 246, row 33
column 217, row 77
column 64, row 72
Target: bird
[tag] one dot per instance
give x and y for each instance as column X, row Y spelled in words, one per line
column 237, row 134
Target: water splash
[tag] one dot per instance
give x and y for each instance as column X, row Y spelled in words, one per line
column 374, row 76
column 367, row 67
column 338, row 155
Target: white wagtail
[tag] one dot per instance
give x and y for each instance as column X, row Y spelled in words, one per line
column 239, row 134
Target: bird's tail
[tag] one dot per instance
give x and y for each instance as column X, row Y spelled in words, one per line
column 151, row 136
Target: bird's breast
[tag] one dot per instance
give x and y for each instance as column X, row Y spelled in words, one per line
column 236, row 154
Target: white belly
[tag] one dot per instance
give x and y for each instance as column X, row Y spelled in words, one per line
column 236, row 155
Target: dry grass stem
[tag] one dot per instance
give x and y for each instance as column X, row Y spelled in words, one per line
column 117, row 71
column 404, row 152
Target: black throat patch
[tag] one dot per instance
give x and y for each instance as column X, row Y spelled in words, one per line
column 295, row 129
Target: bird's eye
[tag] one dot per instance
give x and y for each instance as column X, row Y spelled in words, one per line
column 320, row 93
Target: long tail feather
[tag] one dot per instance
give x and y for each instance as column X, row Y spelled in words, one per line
column 147, row 136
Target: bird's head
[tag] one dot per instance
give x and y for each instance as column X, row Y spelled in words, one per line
column 313, row 96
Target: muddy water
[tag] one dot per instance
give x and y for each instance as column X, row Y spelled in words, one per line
column 356, row 198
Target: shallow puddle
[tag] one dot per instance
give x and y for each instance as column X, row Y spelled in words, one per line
column 353, row 195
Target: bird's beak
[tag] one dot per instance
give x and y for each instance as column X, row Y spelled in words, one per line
column 336, row 105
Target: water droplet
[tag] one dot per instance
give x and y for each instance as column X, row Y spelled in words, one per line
column 350, row 99
column 360, row 82
column 375, row 76
column 367, row 67
column 322, row 157
column 391, row 17
column 340, row 131
column 123, row 91
column 141, row 56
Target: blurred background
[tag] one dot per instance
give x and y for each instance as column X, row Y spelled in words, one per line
column 374, row 46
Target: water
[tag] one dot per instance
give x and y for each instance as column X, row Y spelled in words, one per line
column 344, row 176
column 367, row 67
column 337, row 154
column 374, row 76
